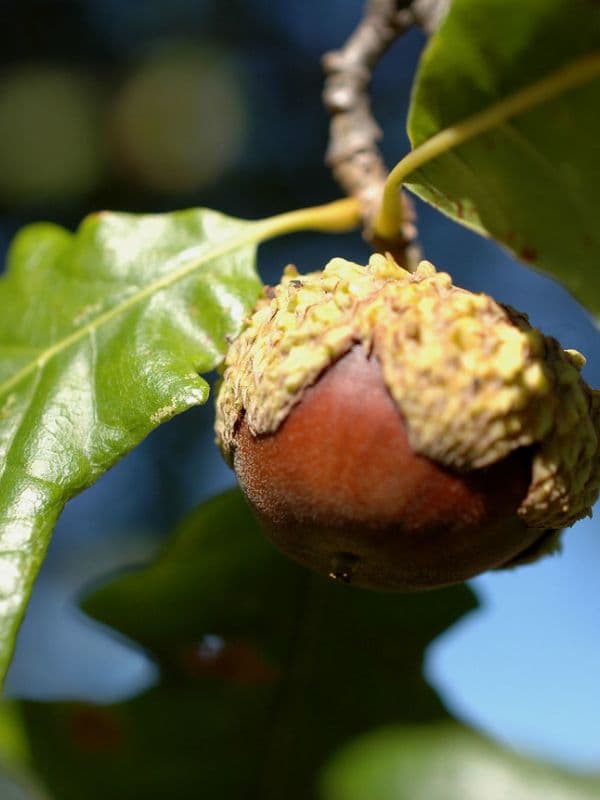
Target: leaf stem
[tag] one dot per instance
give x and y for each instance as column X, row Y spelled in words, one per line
column 577, row 73
column 336, row 217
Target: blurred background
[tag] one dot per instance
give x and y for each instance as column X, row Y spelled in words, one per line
column 155, row 105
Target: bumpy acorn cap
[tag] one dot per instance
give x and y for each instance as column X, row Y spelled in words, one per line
column 472, row 379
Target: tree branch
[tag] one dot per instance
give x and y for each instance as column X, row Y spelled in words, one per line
column 429, row 13
column 353, row 153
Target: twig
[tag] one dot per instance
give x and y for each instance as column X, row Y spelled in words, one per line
column 429, row 13
column 353, row 153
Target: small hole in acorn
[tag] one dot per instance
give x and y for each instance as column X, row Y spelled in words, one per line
column 342, row 567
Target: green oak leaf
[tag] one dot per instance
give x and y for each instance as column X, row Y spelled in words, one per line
column 16, row 780
column 530, row 180
column 102, row 336
column 266, row 670
column 444, row 761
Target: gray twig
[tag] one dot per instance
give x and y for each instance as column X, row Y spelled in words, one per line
column 353, row 153
column 429, row 13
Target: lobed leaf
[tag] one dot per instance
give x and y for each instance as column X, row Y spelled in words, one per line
column 266, row 670
column 529, row 179
column 16, row 779
column 102, row 336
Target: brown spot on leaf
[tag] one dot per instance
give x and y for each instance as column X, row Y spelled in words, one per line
column 528, row 254
column 238, row 662
column 95, row 729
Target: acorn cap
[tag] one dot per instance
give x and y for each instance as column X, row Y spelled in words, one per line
column 472, row 379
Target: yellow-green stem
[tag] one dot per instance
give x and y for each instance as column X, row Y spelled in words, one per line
column 575, row 74
column 336, row 217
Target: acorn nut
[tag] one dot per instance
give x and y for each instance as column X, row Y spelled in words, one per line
column 394, row 431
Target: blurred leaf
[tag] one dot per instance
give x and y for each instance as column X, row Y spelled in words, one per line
column 67, row 161
column 179, row 121
column 13, row 741
column 531, row 182
column 266, row 669
column 16, row 782
column 444, row 761
column 102, row 334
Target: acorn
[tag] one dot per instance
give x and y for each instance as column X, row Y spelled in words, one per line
column 392, row 430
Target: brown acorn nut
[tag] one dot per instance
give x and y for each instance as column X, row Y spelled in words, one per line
column 395, row 431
